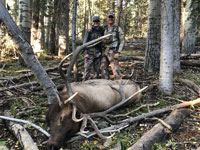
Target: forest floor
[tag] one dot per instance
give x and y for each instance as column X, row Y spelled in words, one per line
column 30, row 103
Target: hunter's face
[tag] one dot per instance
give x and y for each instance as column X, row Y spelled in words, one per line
column 96, row 23
column 111, row 19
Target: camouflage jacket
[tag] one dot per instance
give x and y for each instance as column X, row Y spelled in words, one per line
column 117, row 38
column 93, row 34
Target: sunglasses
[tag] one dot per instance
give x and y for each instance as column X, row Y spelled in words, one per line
column 96, row 21
column 110, row 17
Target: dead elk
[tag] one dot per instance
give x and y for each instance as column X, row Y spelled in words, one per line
column 93, row 96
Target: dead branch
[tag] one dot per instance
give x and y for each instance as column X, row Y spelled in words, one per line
column 159, row 111
column 22, row 135
column 158, row 132
column 140, row 107
column 190, row 84
column 26, row 122
column 24, row 85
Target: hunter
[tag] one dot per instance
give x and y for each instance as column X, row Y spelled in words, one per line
column 93, row 55
column 113, row 46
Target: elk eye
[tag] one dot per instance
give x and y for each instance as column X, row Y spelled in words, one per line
column 61, row 118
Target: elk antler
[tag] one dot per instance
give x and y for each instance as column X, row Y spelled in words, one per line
column 70, row 98
column 72, row 62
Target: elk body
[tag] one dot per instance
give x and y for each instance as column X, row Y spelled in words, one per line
column 93, row 96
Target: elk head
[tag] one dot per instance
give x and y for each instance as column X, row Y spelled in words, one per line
column 59, row 117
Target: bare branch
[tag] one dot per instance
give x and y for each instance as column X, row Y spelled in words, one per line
column 26, row 122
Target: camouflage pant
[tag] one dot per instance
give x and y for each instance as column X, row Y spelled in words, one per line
column 90, row 62
column 108, row 58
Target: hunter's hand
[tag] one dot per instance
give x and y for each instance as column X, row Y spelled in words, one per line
column 116, row 56
column 86, row 56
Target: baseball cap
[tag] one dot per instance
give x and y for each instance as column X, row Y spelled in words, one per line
column 95, row 18
column 111, row 14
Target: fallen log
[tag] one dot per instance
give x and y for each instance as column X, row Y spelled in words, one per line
column 159, row 132
column 192, row 56
column 22, row 135
column 190, row 63
column 129, row 57
column 190, row 84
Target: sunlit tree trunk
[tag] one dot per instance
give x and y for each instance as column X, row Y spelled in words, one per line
column 85, row 17
column 27, row 52
column 24, row 23
column 89, row 14
column 189, row 30
column 47, row 20
column 177, row 32
column 167, row 47
column 63, row 27
column 152, row 52
column 36, row 33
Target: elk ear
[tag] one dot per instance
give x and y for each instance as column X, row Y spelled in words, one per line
column 70, row 98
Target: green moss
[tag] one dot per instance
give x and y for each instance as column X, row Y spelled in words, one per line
column 3, row 143
column 168, row 145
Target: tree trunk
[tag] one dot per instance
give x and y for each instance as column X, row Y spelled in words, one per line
column 74, row 35
column 36, row 33
column 47, row 20
column 119, row 12
column 89, row 14
column 27, row 52
column 53, row 38
column 67, row 26
column 24, row 23
column 167, row 47
column 85, row 18
column 189, row 29
column 152, row 52
column 64, row 10
column 177, row 32
column 113, row 6
column 41, row 23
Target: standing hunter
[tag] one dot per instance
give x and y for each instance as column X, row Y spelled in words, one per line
column 93, row 55
column 113, row 46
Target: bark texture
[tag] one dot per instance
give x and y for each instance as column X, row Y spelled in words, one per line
column 177, row 32
column 167, row 47
column 152, row 52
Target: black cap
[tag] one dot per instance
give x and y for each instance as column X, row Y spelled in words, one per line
column 111, row 14
column 95, row 18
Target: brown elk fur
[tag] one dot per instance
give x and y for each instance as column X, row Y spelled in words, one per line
column 93, row 96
